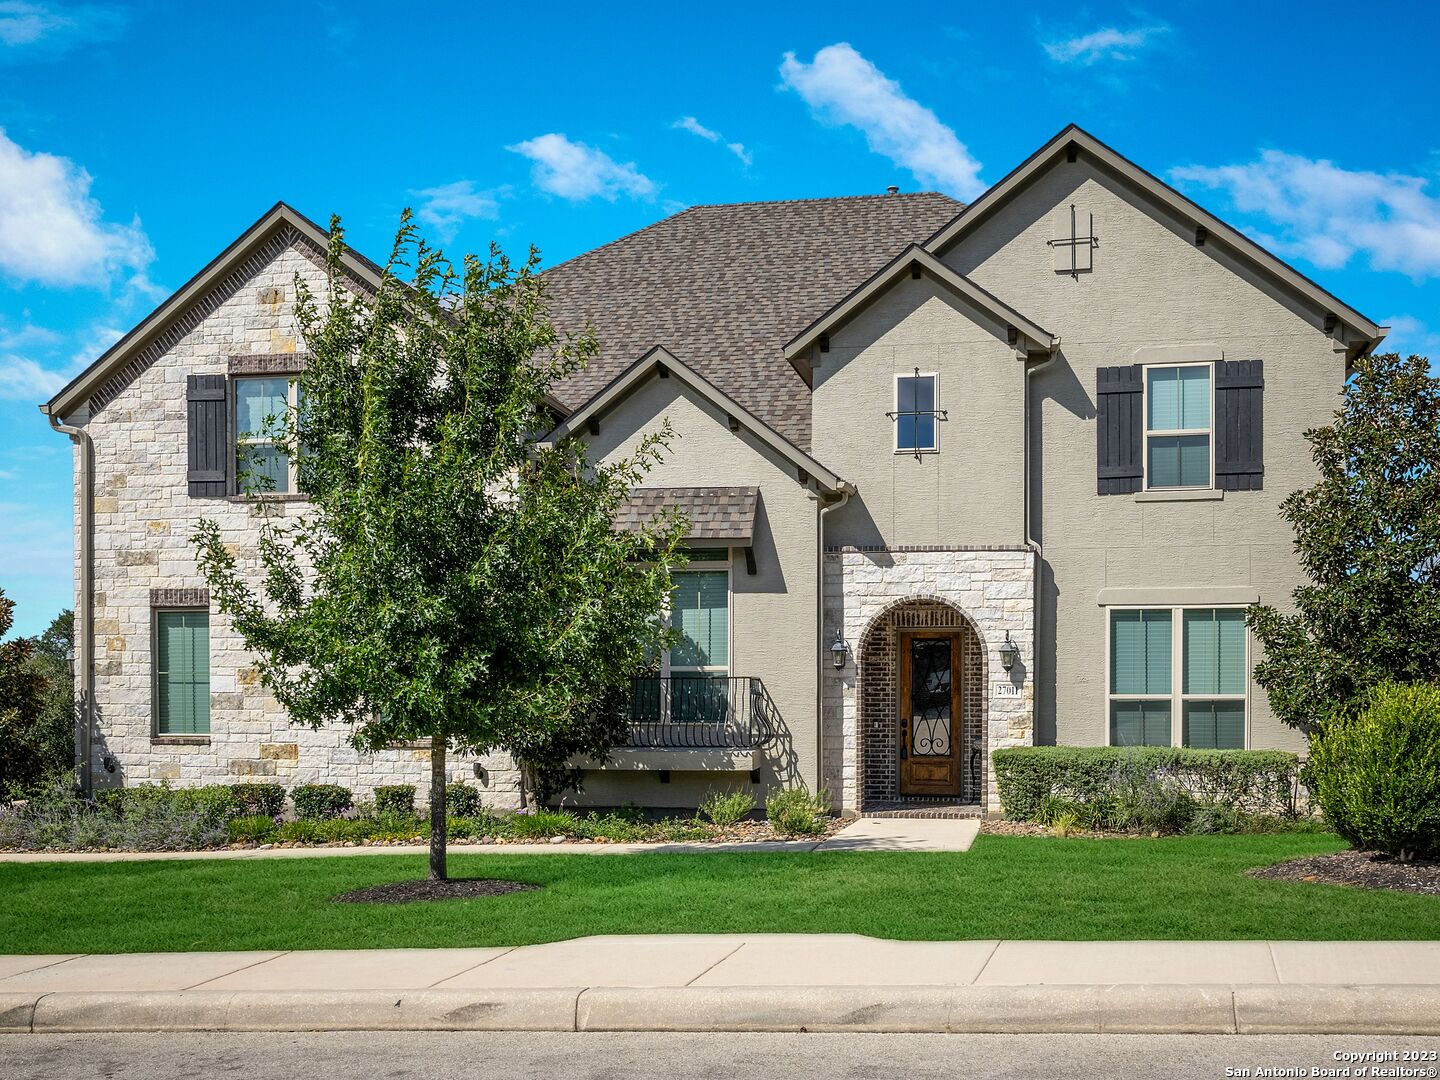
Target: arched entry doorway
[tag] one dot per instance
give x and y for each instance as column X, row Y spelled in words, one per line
column 921, row 683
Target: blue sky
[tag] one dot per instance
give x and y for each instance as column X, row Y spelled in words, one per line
column 139, row 140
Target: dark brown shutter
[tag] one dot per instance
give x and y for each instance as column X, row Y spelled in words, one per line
column 208, row 431
column 1239, row 425
column 1119, row 429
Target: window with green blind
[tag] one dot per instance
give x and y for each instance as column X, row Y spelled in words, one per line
column 1177, row 426
column 182, row 673
column 1140, row 677
column 1214, row 679
column 1185, row 664
column 700, row 610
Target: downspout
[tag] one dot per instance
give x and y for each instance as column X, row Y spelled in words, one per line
column 845, row 492
column 1030, row 541
column 84, row 603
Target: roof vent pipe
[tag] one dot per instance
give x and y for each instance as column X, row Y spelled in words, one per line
column 893, row 189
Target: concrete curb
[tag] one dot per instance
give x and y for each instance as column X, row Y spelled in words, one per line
column 1129, row 1008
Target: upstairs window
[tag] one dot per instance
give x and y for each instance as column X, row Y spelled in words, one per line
column 1177, row 426
column 917, row 429
column 262, row 409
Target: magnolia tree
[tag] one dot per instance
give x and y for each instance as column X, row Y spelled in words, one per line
column 1368, row 536
column 450, row 578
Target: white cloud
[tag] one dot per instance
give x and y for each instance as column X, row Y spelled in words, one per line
column 1327, row 215
column 22, row 379
column 1108, row 43
column 30, row 30
column 447, row 207
column 36, row 362
column 1410, row 336
column 53, row 232
column 578, row 172
column 690, row 124
column 842, row 87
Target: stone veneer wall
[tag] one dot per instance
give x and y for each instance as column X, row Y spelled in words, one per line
column 868, row 594
column 144, row 517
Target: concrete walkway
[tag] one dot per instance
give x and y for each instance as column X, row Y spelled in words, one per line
column 863, row 834
column 746, row 982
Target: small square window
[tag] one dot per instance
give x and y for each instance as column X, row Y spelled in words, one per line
column 916, row 416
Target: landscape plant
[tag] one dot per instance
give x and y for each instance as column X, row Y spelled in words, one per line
column 452, row 577
column 36, row 730
column 1368, row 537
column 316, row 801
column 1376, row 774
column 395, row 799
column 727, row 808
column 796, row 812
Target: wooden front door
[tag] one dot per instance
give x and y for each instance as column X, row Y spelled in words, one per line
column 930, row 713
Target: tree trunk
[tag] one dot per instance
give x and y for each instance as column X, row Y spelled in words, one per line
column 437, row 809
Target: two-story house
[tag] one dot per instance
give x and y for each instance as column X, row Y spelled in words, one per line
column 958, row 478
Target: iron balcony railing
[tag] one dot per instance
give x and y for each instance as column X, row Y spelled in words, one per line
column 702, row 712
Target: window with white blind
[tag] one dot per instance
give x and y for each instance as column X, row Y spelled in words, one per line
column 1177, row 426
column 262, row 408
column 1177, row 677
column 182, row 673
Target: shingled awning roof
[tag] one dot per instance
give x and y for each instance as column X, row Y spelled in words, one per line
column 725, row 287
column 715, row 513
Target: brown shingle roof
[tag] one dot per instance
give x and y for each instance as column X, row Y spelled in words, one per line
column 714, row 513
column 725, row 287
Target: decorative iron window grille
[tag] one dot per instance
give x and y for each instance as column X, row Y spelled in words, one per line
column 915, row 415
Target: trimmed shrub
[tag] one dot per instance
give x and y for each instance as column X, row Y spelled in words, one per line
column 314, row 802
column 256, row 800
column 1376, row 775
column 795, row 812
column 461, row 800
column 395, row 799
column 726, row 809
column 1145, row 785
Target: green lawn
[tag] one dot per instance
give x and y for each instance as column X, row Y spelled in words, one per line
column 1012, row 887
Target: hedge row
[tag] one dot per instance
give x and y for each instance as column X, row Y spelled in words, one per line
column 1260, row 782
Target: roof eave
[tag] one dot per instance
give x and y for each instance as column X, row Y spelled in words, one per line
column 84, row 384
column 1078, row 139
column 660, row 357
column 1025, row 335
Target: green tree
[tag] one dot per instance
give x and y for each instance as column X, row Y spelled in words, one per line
column 451, row 578
column 1368, row 536
column 23, row 686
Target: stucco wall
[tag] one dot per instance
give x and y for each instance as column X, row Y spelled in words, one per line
column 144, row 518
column 967, row 493
column 773, row 613
column 1151, row 286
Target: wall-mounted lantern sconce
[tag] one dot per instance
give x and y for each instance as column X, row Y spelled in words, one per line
column 1008, row 653
column 838, row 651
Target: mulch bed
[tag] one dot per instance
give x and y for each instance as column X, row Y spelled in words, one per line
column 1362, row 869
column 405, row 892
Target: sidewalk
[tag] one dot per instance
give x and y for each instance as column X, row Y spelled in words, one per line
column 863, row 834
column 746, row 983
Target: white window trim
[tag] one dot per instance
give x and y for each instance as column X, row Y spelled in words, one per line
column 1177, row 697
column 1209, row 432
column 711, row 565
column 934, row 376
column 292, row 402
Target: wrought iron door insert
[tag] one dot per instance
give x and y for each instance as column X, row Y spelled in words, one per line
column 930, row 751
